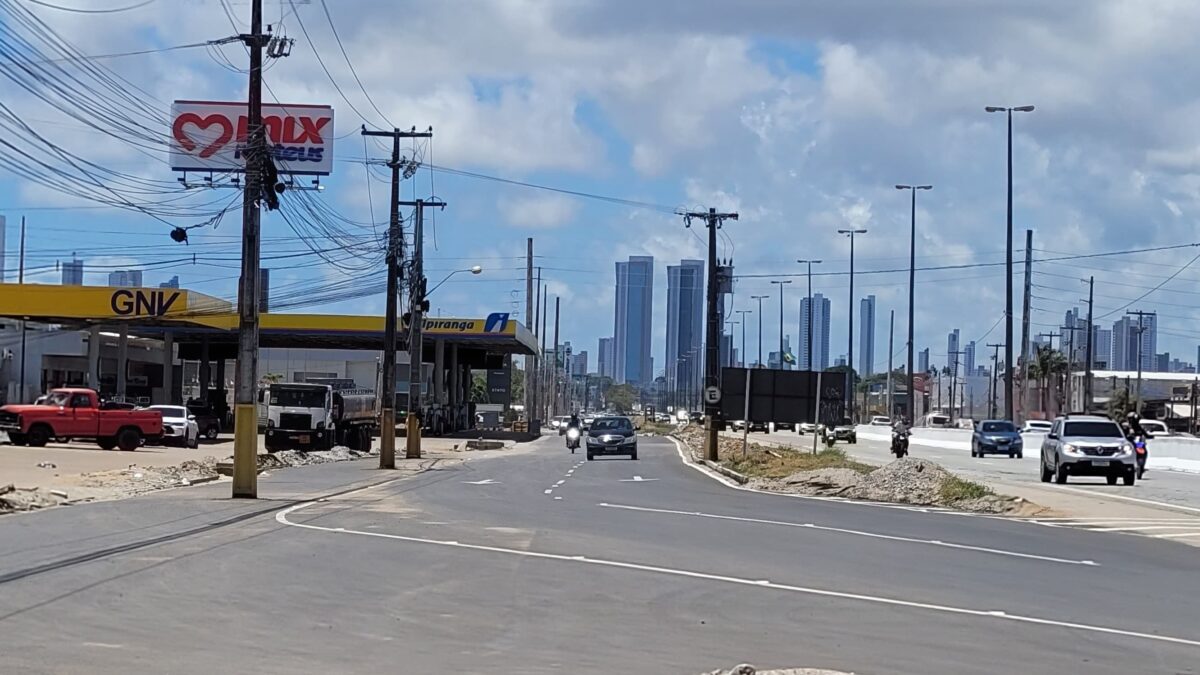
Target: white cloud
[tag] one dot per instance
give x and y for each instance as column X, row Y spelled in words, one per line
column 537, row 212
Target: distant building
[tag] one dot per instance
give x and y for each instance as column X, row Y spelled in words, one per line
column 923, row 361
column 685, row 325
column 1101, row 348
column 173, row 282
column 1162, row 362
column 579, row 363
column 605, row 355
column 866, row 336
column 952, row 348
column 72, row 272
column 1125, row 343
column 819, row 359
column 969, row 357
column 127, row 278
column 633, row 320
column 840, row 361
column 775, row 359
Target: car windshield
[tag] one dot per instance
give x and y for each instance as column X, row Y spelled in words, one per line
column 57, row 398
column 998, row 427
column 1092, row 429
column 171, row 411
column 616, row 423
column 298, row 397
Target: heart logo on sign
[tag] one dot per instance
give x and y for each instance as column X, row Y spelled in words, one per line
column 203, row 123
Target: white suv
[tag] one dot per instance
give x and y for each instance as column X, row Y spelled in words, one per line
column 1087, row 445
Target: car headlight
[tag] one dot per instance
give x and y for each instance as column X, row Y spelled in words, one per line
column 320, row 425
column 1070, row 449
column 1126, row 449
column 592, row 440
column 629, row 439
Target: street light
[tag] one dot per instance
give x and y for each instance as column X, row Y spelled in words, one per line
column 1008, row 268
column 781, row 284
column 759, row 298
column 850, row 336
column 810, row 263
column 912, row 277
column 473, row 270
column 743, row 312
column 731, row 323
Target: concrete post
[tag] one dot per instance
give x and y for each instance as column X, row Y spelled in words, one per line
column 439, row 371
column 168, row 373
column 93, row 356
column 122, row 361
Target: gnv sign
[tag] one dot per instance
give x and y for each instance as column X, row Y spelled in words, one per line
column 211, row 136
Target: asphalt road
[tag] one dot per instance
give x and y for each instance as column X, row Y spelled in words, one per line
column 1169, row 487
column 542, row 562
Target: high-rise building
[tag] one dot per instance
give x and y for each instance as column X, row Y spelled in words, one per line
column 579, row 364
column 264, row 290
column 1162, row 362
column 1101, row 348
column 1125, row 343
column 819, row 359
column 127, row 278
column 633, row 320
column 775, row 359
column 604, row 357
column 969, row 357
column 866, row 336
column 685, row 325
column 72, row 272
column 726, row 351
column 951, row 348
column 923, row 361
column 840, row 361
column 173, row 282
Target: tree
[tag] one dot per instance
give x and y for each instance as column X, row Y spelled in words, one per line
column 479, row 388
column 1047, row 364
column 621, row 397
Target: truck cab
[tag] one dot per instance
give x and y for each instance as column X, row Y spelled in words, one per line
column 307, row 416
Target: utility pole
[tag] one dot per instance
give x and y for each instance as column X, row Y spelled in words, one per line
column 712, row 221
column 1090, row 355
column 953, row 379
column 1051, row 337
column 759, row 298
column 21, row 280
column 1070, row 362
column 891, row 336
column 809, row 338
column 395, row 254
column 530, row 362
column 912, row 278
column 744, row 321
column 554, row 400
column 418, row 305
column 850, row 328
column 992, row 380
column 541, row 395
column 1024, row 330
column 1140, row 329
column 781, row 285
column 245, row 438
column 535, row 373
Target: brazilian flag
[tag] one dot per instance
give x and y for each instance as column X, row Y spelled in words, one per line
column 789, row 358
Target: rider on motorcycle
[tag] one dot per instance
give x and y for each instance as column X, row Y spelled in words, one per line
column 574, row 422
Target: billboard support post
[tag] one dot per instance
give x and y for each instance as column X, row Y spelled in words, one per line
column 817, row 413
column 746, row 415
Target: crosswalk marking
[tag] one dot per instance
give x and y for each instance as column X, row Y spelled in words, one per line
column 1158, row 528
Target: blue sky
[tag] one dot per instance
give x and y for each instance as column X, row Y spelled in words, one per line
column 799, row 116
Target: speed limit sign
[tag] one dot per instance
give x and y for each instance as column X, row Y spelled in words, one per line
column 712, row 395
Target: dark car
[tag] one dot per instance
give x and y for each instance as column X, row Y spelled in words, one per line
column 785, row 426
column 208, row 421
column 764, row 427
column 999, row 437
column 611, row 436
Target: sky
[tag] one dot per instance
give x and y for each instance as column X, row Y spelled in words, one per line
column 801, row 116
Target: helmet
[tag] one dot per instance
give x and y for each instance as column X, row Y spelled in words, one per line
column 1132, row 415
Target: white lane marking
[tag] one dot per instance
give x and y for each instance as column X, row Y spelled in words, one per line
column 637, row 479
column 1109, row 495
column 548, row 491
column 560, row 482
column 558, row 497
column 485, row 481
column 860, row 533
column 1176, row 535
column 281, row 518
column 1143, row 528
column 1114, row 521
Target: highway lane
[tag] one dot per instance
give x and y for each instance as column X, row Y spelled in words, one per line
column 477, row 568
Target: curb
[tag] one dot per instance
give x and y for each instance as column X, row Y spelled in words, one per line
column 742, row 479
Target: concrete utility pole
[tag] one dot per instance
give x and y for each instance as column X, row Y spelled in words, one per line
column 992, row 380
column 912, row 278
column 395, row 254
column 418, row 305
column 891, row 337
column 953, row 379
column 541, row 376
column 533, row 381
column 809, row 337
column 1090, row 355
column 712, row 379
column 781, row 286
column 1070, row 362
column 245, row 435
column 1140, row 329
column 554, row 409
column 1025, row 326
column 850, row 328
column 21, row 280
column 760, row 298
column 529, row 316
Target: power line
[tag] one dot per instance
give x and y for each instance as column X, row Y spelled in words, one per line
column 76, row 10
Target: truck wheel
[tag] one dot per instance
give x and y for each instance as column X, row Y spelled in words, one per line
column 129, row 439
column 17, row 439
column 211, row 432
column 106, row 442
column 38, row 436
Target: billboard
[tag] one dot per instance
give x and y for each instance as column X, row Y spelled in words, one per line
column 211, row 136
column 498, row 385
column 782, row 395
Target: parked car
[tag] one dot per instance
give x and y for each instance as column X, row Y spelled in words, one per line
column 1156, row 428
column 179, row 426
column 737, row 425
column 785, row 426
column 1036, row 427
column 208, row 421
column 611, row 436
column 845, row 432
column 880, row 421
column 811, row 428
column 996, row 437
column 1087, row 445
column 78, row 413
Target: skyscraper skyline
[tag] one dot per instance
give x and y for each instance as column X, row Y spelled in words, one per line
column 1125, row 344
column 866, row 336
column 969, row 357
column 819, row 359
column 129, row 278
column 923, row 361
column 685, row 325
column 173, row 282
column 604, row 357
column 952, row 342
column 633, row 320
column 72, row 272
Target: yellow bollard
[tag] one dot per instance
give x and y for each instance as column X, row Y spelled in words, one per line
column 387, row 439
column 245, row 451
column 412, row 436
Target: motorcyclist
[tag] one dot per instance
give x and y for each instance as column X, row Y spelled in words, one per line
column 1133, row 426
column 574, row 422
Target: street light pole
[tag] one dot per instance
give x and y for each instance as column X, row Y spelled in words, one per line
column 781, row 285
column 731, row 324
column 850, row 329
column 1008, row 268
column 912, row 278
column 809, row 337
column 744, row 312
column 759, row 298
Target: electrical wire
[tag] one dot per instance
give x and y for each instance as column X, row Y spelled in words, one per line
column 75, row 10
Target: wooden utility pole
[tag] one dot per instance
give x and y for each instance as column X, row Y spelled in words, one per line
column 418, row 305
column 395, row 256
column 21, row 280
column 712, row 356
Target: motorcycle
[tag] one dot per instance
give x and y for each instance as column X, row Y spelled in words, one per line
column 899, row 443
column 573, row 439
column 1139, row 447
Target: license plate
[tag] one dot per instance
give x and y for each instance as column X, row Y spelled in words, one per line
column 305, row 438
column 1099, row 462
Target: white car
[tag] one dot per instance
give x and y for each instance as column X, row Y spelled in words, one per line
column 179, row 427
column 880, row 421
column 1036, row 427
column 1155, row 428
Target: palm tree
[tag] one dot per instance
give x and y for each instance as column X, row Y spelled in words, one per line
column 1047, row 363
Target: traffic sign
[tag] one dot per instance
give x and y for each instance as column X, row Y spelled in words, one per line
column 712, row 395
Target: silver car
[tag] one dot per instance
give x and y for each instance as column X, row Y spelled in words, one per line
column 1087, row 445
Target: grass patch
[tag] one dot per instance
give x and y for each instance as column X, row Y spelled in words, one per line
column 759, row 462
column 955, row 489
column 657, row 428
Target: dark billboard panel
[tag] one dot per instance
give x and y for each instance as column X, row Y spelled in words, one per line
column 782, row 395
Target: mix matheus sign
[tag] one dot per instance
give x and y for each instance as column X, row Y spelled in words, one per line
column 211, row 136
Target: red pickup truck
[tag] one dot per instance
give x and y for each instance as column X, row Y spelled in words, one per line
column 78, row 413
